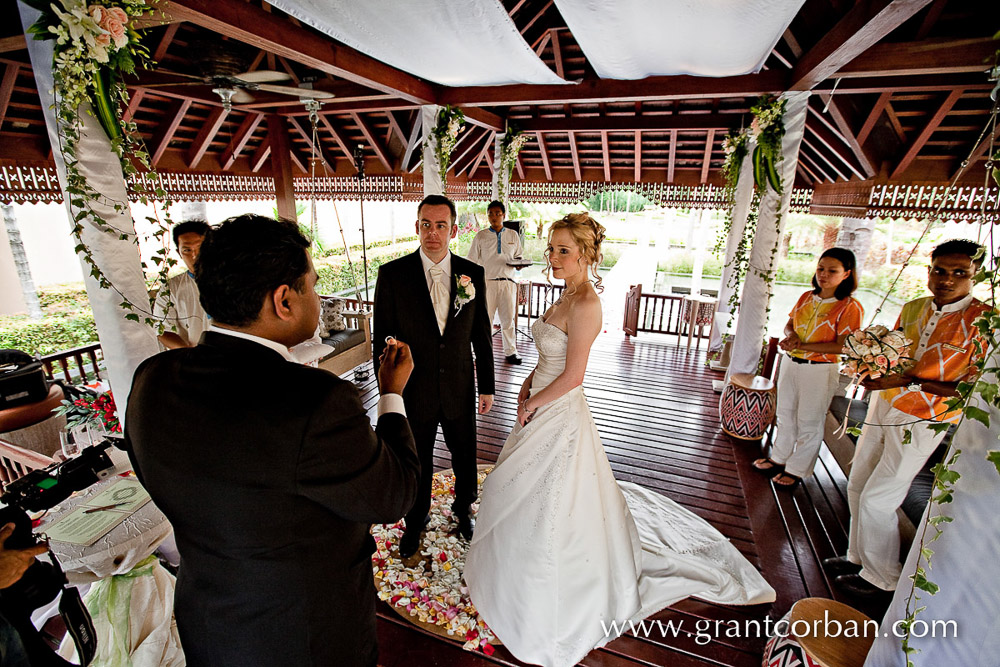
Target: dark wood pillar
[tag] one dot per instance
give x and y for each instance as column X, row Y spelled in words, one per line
column 281, row 165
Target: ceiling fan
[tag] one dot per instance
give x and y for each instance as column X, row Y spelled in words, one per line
column 223, row 70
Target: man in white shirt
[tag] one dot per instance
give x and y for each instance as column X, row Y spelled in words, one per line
column 493, row 248
column 183, row 316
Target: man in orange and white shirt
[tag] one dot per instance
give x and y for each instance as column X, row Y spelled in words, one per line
column 941, row 328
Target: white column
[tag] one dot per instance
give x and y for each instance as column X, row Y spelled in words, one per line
column 433, row 184
column 756, row 293
column 499, row 178
column 699, row 250
column 125, row 343
column 741, row 210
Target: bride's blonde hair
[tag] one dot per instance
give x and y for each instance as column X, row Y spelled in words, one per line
column 588, row 235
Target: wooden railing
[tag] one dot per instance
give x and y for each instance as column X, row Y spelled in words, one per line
column 661, row 313
column 538, row 298
column 84, row 362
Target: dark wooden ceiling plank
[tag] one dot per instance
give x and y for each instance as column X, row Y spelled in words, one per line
column 707, row 159
column 575, row 154
column 905, row 84
column 863, row 26
column 833, row 141
column 165, row 40
column 807, row 141
column 203, row 140
column 847, row 134
column 614, row 90
column 484, row 119
column 395, row 127
column 672, row 158
column 316, row 147
column 880, row 104
column 645, row 122
column 13, row 43
column 926, row 133
column 258, row 28
column 897, row 126
column 381, row 152
column 345, row 148
column 7, row 88
column 171, row 121
column 240, row 139
column 931, row 17
column 823, row 176
column 470, row 139
column 950, row 56
column 540, row 138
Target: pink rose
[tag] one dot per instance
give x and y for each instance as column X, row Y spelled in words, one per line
column 97, row 13
column 464, row 281
column 117, row 30
column 119, row 14
column 881, row 361
column 104, row 39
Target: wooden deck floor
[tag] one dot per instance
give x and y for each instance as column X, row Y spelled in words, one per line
column 658, row 418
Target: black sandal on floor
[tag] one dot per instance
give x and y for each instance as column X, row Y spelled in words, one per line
column 766, row 466
column 790, row 485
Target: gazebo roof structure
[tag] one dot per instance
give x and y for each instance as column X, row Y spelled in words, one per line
column 901, row 97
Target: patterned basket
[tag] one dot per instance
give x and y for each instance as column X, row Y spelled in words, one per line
column 747, row 406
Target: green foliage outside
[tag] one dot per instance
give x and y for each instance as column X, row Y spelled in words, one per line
column 67, row 322
column 617, row 201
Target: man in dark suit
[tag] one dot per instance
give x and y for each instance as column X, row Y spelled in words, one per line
column 436, row 301
column 269, row 471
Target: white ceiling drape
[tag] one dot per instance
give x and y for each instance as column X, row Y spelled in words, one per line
column 634, row 39
column 469, row 43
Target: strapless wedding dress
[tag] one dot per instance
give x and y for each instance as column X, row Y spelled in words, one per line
column 562, row 549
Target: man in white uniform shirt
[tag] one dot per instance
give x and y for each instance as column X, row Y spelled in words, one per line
column 184, row 317
column 493, row 248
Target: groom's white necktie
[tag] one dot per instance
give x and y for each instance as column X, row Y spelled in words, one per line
column 439, row 295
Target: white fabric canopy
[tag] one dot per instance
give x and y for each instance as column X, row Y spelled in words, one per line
column 756, row 292
column 472, row 43
column 633, row 39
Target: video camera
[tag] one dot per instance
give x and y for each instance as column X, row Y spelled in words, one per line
column 37, row 491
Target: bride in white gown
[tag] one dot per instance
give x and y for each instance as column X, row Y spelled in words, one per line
column 561, row 549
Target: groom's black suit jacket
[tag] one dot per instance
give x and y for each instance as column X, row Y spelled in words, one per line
column 270, row 474
column 442, row 379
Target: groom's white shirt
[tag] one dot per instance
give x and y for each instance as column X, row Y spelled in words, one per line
column 445, row 265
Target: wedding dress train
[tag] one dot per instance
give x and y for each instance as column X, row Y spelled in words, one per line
column 561, row 549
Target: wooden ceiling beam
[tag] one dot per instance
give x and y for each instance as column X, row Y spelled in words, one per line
column 880, row 104
column 537, row 16
column 484, row 119
column 605, row 157
column 260, row 155
column 930, row 83
column 470, row 139
column 931, row 17
column 614, row 90
column 171, row 121
column 833, row 141
column 199, row 146
column 637, row 160
column 396, row 128
column 847, row 135
column 520, row 167
column 951, row 56
column 894, row 122
column 866, row 24
column 672, row 158
column 540, row 138
column 707, row 159
column 644, row 122
column 165, row 40
column 822, row 175
column 806, row 141
column 575, row 155
column 318, row 148
column 260, row 29
column 981, row 149
column 381, row 152
column 134, row 100
column 926, row 133
column 7, row 88
column 811, row 174
column 557, row 53
column 13, row 43
column 345, row 148
column 483, row 153
column 240, row 139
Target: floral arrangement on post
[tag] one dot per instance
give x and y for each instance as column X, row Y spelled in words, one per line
column 449, row 124
column 510, row 147
column 95, row 46
column 767, row 129
column 88, row 409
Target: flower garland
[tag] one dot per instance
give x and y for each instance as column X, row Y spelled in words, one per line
column 95, row 46
column 432, row 591
column 449, row 124
column 510, row 147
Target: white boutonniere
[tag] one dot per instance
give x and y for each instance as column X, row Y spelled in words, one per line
column 465, row 293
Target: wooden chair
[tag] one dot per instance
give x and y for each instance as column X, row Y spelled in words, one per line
column 16, row 462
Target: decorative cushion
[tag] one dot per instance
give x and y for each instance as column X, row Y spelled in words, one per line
column 343, row 340
column 784, row 651
column 331, row 316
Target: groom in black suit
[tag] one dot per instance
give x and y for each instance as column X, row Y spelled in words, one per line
column 268, row 470
column 436, row 301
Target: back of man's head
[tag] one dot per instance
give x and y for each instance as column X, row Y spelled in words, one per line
column 197, row 226
column 245, row 259
column 960, row 247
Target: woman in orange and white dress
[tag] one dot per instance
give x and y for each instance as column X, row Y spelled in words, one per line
column 814, row 337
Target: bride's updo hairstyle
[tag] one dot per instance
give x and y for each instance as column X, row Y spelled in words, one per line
column 588, row 234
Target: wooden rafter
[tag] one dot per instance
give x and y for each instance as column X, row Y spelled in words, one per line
column 165, row 40
column 470, row 139
column 540, row 138
column 557, row 54
column 613, row 90
column 880, row 104
column 296, row 125
column 638, row 156
column 833, row 140
column 847, row 135
column 14, row 43
column 543, row 41
column 691, row 121
column 211, row 127
column 605, row 157
column 484, row 119
column 483, row 153
column 520, row 167
column 926, row 133
column 863, row 25
column 822, row 175
column 953, row 56
column 338, row 138
column 984, row 146
column 707, row 159
column 931, row 17
column 281, row 168
column 395, row 127
column 894, row 121
column 242, row 21
column 575, row 155
column 260, row 155
column 135, row 99
column 536, row 17
column 812, row 175
column 165, row 133
column 380, row 151
column 807, row 141
column 7, row 88
column 240, row 139
column 672, row 158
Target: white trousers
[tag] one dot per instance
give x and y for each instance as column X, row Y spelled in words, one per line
column 881, row 474
column 804, row 395
column 501, row 296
